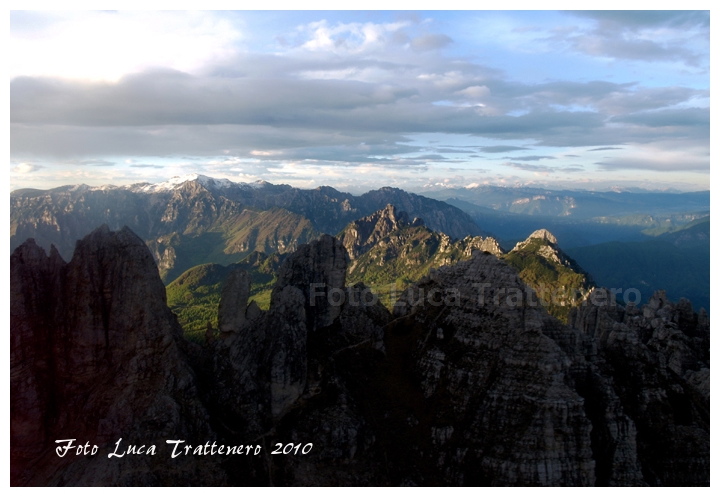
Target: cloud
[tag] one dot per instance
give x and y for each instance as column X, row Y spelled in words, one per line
column 430, row 42
column 91, row 163
column 26, row 168
column 649, row 18
column 531, row 157
column 692, row 117
column 475, row 92
column 352, row 37
column 668, row 36
column 496, row 149
column 104, row 45
column 358, row 93
column 147, row 166
column 659, row 164
column 529, row 167
column 543, row 169
column 163, row 105
column 571, row 169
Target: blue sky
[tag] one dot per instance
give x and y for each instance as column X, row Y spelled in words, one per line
column 362, row 99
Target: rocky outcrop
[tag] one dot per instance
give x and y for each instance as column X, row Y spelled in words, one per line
column 233, row 301
column 541, row 234
column 267, row 366
column 388, row 251
column 499, row 373
column 360, row 236
column 95, row 357
column 318, row 271
column 521, row 398
column 658, row 358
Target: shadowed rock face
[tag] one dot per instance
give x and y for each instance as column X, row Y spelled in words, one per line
column 468, row 382
column 621, row 399
column 658, row 359
column 233, row 301
column 94, row 356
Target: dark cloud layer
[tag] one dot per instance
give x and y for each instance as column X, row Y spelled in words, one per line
column 497, row 149
column 649, row 18
column 644, row 35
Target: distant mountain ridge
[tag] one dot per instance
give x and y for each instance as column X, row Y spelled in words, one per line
column 196, row 219
column 678, row 262
column 580, row 204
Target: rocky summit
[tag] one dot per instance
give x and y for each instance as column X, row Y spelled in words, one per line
column 558, row 280
column 468, row 381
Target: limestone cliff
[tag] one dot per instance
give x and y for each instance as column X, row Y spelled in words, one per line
column 95, row 357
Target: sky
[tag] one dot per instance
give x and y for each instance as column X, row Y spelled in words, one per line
column 362, row 99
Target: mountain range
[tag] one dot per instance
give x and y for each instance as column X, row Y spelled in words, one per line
column 196, row 219
column 578, row 204
column 405, row 347
column 467, row 381
column 388, row 252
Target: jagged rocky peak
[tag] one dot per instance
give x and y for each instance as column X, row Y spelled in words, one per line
column 359, row 236
column 178, row 181
column 544, row 244
column 487, row 244
column 502, row 370
column 317, row 270
column 559, row 281
column 94, row 356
